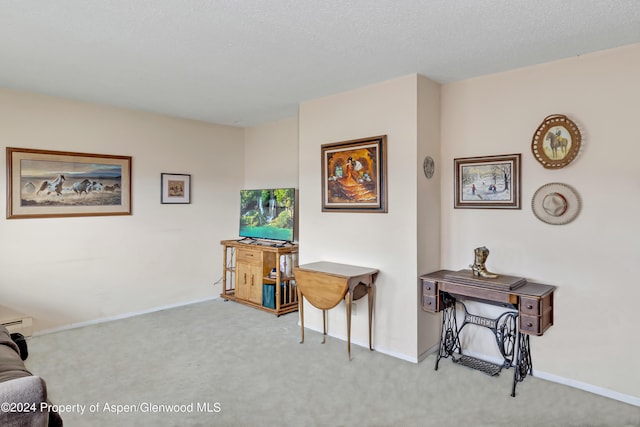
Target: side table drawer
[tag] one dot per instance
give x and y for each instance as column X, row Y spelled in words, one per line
column 530, row 324
column 431, row 299
column 429, row 287
column 431, row 303
column 530, row 306
column 536, row 325
column 536, row 314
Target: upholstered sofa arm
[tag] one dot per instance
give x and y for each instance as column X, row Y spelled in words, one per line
column 21, row 402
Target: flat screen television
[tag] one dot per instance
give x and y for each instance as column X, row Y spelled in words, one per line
column 267, row 214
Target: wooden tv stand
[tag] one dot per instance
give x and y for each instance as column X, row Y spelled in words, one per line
column 247, row 275
column 529, row 311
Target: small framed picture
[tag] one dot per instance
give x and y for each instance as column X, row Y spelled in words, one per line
column 176, row 188
column 489, row 182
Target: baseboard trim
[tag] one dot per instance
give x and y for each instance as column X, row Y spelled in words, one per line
column 393, row 353
column 119, row 316
column 424, row 355
column 376, row 348
column 601, row 391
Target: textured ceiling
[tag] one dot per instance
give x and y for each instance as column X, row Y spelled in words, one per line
column 246, row 62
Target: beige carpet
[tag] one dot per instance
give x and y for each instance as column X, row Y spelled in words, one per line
column 223, row 364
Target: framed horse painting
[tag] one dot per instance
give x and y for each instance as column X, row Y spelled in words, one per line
column 556, row 142
column 43, row 184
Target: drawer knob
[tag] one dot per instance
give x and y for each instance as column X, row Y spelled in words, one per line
column 429, row 303
column 530, row 307
column 529, row 325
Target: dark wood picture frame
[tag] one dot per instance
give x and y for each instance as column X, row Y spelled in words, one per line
column 489, row 182
column 47, row 184
column 175, row 188
column 354, row 175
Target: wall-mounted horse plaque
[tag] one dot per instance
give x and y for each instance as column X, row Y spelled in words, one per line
column 556, row 142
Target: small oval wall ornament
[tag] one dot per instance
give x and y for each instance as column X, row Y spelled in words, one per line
column 556, row 142
column 429, row 167
column 556, row 203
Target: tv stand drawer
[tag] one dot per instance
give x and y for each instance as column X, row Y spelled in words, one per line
column 247, row 255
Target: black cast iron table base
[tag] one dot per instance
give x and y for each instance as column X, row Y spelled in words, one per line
column 513, row 346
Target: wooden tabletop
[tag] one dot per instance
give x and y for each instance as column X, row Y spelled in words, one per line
column 336, row 269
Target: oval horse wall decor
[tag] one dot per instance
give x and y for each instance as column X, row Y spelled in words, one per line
column 556, row 142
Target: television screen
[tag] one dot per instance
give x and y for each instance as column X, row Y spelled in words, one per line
column 267, row 214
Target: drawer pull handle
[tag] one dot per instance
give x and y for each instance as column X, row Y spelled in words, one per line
column 530, row 307
column 529, row 325
column 429, row 303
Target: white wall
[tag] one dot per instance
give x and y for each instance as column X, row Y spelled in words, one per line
column 594, row 260
column 429, row 205
column 388, row 241
column 271, row 158
column 63, row 271
column 271, row 155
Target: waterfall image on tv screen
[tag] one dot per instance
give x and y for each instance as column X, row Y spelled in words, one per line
column 267, row 214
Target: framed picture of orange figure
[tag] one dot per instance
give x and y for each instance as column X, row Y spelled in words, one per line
column 45, row 184
column 354, row 175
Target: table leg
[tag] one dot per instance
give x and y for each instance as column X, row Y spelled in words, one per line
column 371, row 296
column 347, row 298
column 449, row 340
column 324, row 326
column 301, row 310
column 524, row 365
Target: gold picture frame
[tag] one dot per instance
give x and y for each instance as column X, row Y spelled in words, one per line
column 47, row 184
column 556, row 142
column 354, row 175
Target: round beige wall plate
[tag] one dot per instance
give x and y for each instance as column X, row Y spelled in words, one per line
column 556, row 203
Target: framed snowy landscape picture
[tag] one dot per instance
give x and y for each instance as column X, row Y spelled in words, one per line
column 490, row 182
